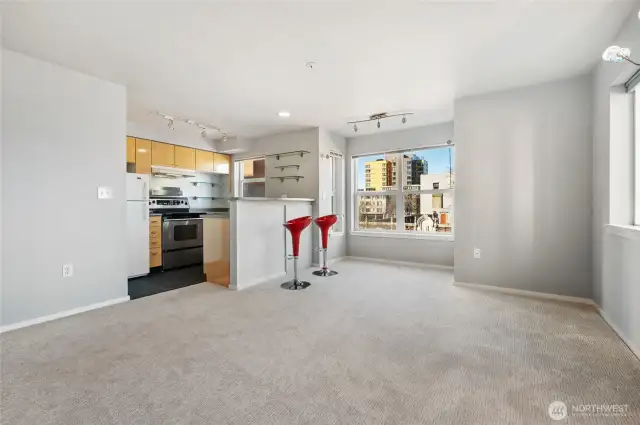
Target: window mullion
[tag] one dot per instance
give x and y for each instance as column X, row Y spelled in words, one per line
column 400, row 178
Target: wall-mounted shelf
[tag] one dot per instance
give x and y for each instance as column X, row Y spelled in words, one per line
column 283, row 178
column 205, row 197
column 199, row 183
column 282, row 167
column 281, row 154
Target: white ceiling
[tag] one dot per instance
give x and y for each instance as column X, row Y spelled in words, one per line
column 236, row 64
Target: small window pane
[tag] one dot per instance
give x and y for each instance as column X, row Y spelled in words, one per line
column 376, row 173
column 253, row 190
column 428, row 213
column 431, row 168
column 376, row 212
column 253, row 168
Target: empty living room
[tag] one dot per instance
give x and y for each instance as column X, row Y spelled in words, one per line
column 320, row 212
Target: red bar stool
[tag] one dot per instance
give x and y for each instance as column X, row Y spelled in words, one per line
column 325, row 223
column 296, row 226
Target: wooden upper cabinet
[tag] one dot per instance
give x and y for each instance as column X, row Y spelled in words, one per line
column 131, row 150
column 143, row 156
column 185, row 158
column 162, row 154
column 221, row 163
column 204, row 161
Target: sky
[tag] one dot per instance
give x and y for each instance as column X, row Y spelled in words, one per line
column 438, row 159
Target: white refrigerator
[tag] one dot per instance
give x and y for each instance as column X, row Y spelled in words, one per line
column 137, row 224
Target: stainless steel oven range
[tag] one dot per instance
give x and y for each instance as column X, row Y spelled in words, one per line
column 181, row 232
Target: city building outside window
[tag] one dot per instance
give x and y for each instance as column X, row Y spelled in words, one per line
column 415, row 198
column 250, row 178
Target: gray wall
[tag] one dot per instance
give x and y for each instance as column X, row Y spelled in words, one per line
column 423, row 251
column 523, row 188
column 63, row 136
column 616, row 251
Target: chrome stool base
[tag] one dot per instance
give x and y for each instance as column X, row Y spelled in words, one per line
column 325, row 272
column 295, row 285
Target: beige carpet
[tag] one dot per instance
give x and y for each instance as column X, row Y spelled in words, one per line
column 377, row 344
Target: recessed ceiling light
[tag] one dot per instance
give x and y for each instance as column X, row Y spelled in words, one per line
column 284, row 114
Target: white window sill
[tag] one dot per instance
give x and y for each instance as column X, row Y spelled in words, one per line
column 629, row 232
column 336, row 234
column 398, row 235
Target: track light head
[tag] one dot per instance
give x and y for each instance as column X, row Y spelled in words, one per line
column 170, row 124
column 404, row 119
column 203, row 133
column 378, row 123
column 224, row 138
column 355, row 128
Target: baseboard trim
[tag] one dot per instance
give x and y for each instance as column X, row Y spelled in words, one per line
column 532, row 294
column 635, row 350
column 400, row 263
column 62, row 314
column 331, row 261
column 260, row 281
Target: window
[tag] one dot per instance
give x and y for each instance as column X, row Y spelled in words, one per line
column 250, row 178
column 423, row 205
column 336, row 163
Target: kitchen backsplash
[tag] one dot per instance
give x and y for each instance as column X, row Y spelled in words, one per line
column 191, row 190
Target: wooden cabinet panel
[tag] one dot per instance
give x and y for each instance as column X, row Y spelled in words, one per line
column 153, row 244
column 162, row 154
column 155, row 232
column 221, row 163
column 143, row 156
column 204, row 161
column 155, row 221
column 155, row 257
column 131, row 150
column 185, row 158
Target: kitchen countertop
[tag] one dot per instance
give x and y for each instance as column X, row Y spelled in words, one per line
column 273, row 199
column 154, row 214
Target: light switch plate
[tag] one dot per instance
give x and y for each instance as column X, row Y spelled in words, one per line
column 477, row 253
column 105, row 192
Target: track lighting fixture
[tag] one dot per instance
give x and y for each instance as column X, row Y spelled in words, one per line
column 204, row 127
column 618, row 54
column 378, row 117
column 224, row 138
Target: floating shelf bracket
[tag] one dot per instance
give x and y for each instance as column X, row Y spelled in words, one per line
column 204, row 197
column 283, row 178
column 282, row 167
column 278, row 155
column 197, row 183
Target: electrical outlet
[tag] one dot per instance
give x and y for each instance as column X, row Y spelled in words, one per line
column 67, row 270
column 477, row 253
column 104, row 192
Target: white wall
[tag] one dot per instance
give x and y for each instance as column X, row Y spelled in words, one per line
column 523, row 188
column 615, row 270
column 413, row 250
column 259, row 242
column 63, row 136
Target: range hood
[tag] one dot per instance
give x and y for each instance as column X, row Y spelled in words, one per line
column 171, row 173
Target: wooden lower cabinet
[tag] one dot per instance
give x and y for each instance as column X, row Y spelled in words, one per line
column 155, row 241
column 155, row 257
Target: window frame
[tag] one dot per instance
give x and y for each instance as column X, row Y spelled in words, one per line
column 336, row 194
column 399, row 192
column 238, row 167
column 636, row 166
